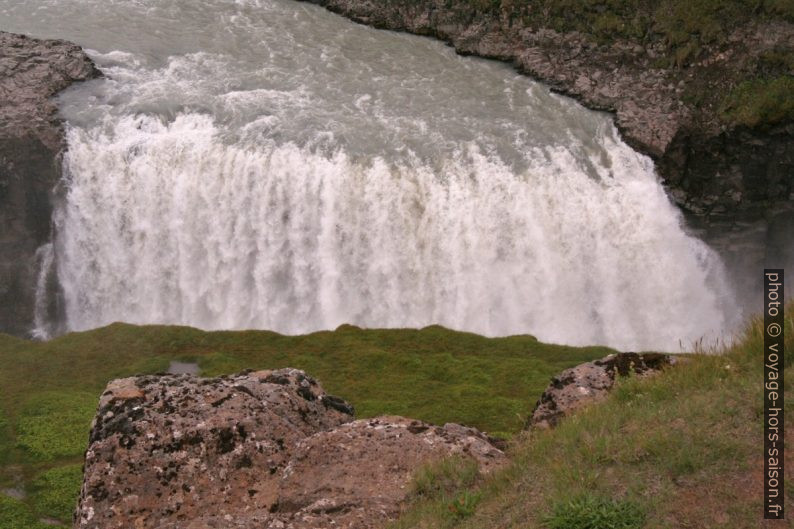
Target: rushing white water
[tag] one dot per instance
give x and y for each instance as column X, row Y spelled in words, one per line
column 45, row 259
column 269, row 165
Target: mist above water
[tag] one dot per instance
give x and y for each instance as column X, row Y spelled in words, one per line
column 270, row 165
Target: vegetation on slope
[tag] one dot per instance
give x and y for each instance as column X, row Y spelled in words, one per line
column 683, row 449
column 686, row 29
column 680, row 23
column 761, row 102
column 50, row 389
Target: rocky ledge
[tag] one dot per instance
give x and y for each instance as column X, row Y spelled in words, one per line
column 590, row 382
column 259, row 449
column 711, row 167
column 31, row 140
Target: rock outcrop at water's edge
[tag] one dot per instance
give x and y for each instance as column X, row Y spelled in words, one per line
column 590, row 382
column 710, row 168
column 31, row 140
column 258, row 449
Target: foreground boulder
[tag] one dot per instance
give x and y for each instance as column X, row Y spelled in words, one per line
column 31, row 140
column 259, row 449
column 590, row 382
column 357, row 475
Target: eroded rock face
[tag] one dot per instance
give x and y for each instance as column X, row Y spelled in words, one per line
column 31, row 139
column 590, row 382
column 259, row 449
column 168, row 449
column 357, row 475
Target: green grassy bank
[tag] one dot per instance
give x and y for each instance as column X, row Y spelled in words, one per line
column 50, row 389
column 681, row 450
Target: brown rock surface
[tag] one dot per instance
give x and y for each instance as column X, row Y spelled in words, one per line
column 31, row 139
column 590, row 382
column 358, row 474
column 261, row 449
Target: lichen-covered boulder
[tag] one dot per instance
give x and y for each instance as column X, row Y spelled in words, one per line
column 265, row 449
column 173, row 448
column 358, row 474
column 590, row 382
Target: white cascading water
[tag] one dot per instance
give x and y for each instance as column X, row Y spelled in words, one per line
column 45, row 259
column 273, row 166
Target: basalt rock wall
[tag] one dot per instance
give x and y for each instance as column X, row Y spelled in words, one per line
column 31, row 140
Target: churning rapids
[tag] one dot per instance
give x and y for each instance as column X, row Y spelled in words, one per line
column 266, row 164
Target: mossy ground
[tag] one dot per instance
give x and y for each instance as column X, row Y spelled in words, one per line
column 15, row 514
column 761, row 102
column 677, row 22
column 681, row 450
column 50, row 389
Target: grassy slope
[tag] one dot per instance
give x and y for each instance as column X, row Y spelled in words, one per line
column 682, row 450
column 49, row 390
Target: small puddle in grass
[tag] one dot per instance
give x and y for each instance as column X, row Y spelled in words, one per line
column 16, row 493
column 183, row 368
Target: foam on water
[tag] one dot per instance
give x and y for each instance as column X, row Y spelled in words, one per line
column 165, row 222
column 270, row 165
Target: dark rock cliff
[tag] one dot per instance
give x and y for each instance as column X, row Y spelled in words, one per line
column 31, row 140
column 711, row 167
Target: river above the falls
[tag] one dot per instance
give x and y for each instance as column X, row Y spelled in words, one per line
column 267, row 164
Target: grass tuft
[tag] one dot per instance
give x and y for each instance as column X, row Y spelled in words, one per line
column 56, row 491
column 16, row 515
column 760, row 102
column 55, row 424
column 444, row 491
column 464, row 504
column 589, row 511
column 445, row 477
column 5, row 439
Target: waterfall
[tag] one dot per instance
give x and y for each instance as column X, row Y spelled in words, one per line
column 266, row 164
column 164, row 222
column 43, row 326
